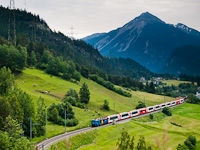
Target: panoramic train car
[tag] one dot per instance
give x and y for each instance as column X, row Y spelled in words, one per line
column 133, row 113
column 124, row 115
column 157, row 107
column 173, row 103
column 168, row 104
column 177, row 102
column 150, row 109
column 181, row 101
column 162, row 105
column 115, row 117
column 143, row 111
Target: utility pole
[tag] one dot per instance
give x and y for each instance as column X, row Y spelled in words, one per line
column 164, row 98
column 25, row 4
column 21, row 125
column 12, row 8
column 46, row 124
column 30, row 129
column 72, row 31
column 114, row 108
column 32, row 124
column 65, row 120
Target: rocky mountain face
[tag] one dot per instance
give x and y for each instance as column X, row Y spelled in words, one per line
column 188, row 30
column 146, row 39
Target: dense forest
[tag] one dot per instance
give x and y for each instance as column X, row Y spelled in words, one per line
column 35, row 29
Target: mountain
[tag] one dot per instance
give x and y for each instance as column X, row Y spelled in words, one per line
column 188, row 30
column 146, row 39
column 31, row 27
column 184, row 60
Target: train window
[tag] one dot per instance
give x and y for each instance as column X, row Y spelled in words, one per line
column 150, row 108
column 163, row 105
column 134, row 112
column 157, row 106
column 113, row 118
column 124, row 115
column 140, row 110
column 168, row 104
column 173, row 103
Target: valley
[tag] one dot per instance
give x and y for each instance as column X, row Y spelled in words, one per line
column 80, row 92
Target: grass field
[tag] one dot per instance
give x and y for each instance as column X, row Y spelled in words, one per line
column 58, row 87
column 159, row 135
column 174, row 82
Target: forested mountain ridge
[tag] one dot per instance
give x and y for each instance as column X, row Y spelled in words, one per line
column 37, row 30
column 145, row 39
column 184, row 60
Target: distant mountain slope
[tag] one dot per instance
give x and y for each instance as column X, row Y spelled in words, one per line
column 146, row 39
column 188, row 30
column 37, row 30
column 184, row 60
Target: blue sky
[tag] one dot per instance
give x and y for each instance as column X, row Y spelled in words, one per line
column 96, row 16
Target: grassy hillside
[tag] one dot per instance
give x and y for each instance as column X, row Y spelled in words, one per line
column 174, row 82
column 159, row 135
column 58, row 88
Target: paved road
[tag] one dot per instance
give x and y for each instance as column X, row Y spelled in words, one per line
column 47, row 143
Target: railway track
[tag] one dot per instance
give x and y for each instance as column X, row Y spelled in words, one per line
column 45, row 144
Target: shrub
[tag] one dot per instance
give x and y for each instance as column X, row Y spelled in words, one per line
column 80, row 105
column 151, row 116
column 56, row 114
column 106, row 105
column 190, row 142
column 140, row 105
column 176, row 124
column 70, row 100
column 167, row 111
column 193, row 99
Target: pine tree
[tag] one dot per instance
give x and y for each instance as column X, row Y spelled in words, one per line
column 84, row 94
column 33, row 59
column 40, row 116
column 6, row 81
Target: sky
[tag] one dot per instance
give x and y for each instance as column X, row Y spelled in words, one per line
column 96, row 16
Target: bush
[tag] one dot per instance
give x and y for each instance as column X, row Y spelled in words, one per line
column 56, row 114
column 151, row 116
column 167, row 111
column 76, row 76
column 140, row 105
column 106, row 105
column 176, row 124
column 193, row 99
column 70, row 100
column 73, row 99
column 80, row 105
column 191, row 142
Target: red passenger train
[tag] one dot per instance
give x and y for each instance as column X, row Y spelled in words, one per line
column 133, row 113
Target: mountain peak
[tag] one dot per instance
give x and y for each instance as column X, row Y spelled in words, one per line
column 148, row 17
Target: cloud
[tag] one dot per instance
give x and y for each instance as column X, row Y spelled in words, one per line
column 92, row 16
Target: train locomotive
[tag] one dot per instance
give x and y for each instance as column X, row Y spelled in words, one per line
column 133, row 113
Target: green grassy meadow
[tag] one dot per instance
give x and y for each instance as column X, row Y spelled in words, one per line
column 174, row 82
column 160, row 134
column 58, row 88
